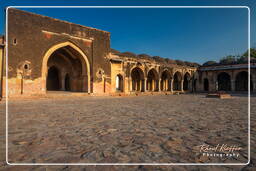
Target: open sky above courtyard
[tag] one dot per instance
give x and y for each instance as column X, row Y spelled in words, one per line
column 196, row 35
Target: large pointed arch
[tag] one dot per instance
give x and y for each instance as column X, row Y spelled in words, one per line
column 152, row 80
column 137, row 79
column 177, row 78
column 186, row 81
column 165, row 80
column 84, row 62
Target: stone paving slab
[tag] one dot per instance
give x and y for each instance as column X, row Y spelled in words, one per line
column 143, row 129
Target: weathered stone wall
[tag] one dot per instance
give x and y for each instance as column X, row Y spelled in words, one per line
column 30, row 36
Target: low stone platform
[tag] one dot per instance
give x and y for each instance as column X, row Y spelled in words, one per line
column 219, row 95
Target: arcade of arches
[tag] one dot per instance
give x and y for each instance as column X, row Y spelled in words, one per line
column 240, row 83
column 152, row 80
column 155, row 78
column 228, row 80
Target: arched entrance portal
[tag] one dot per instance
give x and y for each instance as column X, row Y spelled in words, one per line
column 73, row 68
column 137, row 79
column 241, row 83
column 186, row 82
column 206, row 84
column 119, row 83
column 224, row 83
column 152, row 80
column 165, row 81
column 177, row 81
column 53, row 81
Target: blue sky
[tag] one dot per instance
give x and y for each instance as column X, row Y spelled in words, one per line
column 196, row 35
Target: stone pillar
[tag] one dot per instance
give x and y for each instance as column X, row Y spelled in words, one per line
column 233, row 83
column 166, row 85
column 181, row 86
column 171, row 80
column 216, row 86
column 62, row 81
column 140, row 88
column 135, row 85
column 159, row 84
column 130, row 84
column 153, row 85
column 145, row 84
column 62, row 85
column 163, row 84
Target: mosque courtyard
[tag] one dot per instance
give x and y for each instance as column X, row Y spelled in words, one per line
column 132, row 129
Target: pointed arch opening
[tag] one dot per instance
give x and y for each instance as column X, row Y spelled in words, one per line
column 165, row 81
column 73, row 67
column 224, row 82
column 119, row 83
column 177, row 81
column 241, row 82
column 152, row 80
column 137, row 76
column 186, row 82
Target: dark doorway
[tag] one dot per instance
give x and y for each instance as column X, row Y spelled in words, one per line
column 137, row 79
column 186, row 82
column 152, row 80
column 194, row 85
column 67, row 83
column 165, row 81
column 224, row 82
column 119, row 83
column 206, row 84
column 242, row 81
column 53, row 82
column 177, row 81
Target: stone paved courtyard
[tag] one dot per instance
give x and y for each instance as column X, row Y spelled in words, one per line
column 143, row 129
